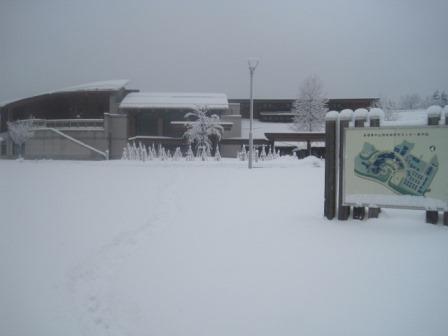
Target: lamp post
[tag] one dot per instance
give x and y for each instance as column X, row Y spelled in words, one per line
column 253, row 62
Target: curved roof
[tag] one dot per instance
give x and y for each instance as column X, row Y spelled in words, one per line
column 103, row 86
column 166, row 100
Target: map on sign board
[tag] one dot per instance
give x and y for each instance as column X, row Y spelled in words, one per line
column 396, row 167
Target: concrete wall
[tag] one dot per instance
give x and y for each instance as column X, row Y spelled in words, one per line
column 235, row 131
column 234, row 108
column 116, row 129
column 229, row 150
column 115, row 99
column 46, row 144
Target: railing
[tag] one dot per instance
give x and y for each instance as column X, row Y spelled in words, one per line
column 69, row 123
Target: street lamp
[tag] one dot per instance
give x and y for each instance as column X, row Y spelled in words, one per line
column 253, row 62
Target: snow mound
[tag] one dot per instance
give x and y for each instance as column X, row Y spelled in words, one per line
column 332, row 115
column 434, row 111
column 376, row 113
column 346, row 114
column 360, row 113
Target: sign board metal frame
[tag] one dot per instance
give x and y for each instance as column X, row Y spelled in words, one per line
column 401, row 190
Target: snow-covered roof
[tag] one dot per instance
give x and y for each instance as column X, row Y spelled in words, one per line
column 212, row 101
column 111, row 85
column 259, row 128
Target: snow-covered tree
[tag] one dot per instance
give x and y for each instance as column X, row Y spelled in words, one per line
column 311, row 106
column 389, row 106
column 443, row 99
column 411, row 101
column 436, row 98
column 203, row 129
column 20, row 131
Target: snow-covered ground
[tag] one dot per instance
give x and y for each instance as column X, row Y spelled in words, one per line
column 177, row 248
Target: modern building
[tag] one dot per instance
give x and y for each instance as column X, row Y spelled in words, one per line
column 280, row 110
column 95, row 121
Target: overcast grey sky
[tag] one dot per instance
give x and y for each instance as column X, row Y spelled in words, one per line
column 358, row 48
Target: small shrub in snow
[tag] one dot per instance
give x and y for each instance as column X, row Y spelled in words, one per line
column 270, row 155
column 177, row 154
column 242, row 155
column 190, row 154
column 263, row 153
column 124, row 155
column 217, row 154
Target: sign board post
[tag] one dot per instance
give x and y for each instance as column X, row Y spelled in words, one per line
column 331, row 120
column 344, row 120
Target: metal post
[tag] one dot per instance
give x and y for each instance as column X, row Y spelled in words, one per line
column 359, row 212
column 434, row 114
column 375, row 121
column 344, row 120
column 445, row 213
column 252, row 65
column 251, row 116
column 331, row 120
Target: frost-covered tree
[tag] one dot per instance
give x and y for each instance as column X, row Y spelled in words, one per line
column 311, row 106
column 411, row 101
column 389, row 106
column 203, row 129
column 443, row 99
column 20, row 131
column 436, row 98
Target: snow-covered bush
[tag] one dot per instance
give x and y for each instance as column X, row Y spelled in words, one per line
column 270, row 155
column 190, row 154
column 177, row 154
column 242, row 155
column 217, row 154
column 263, row 153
